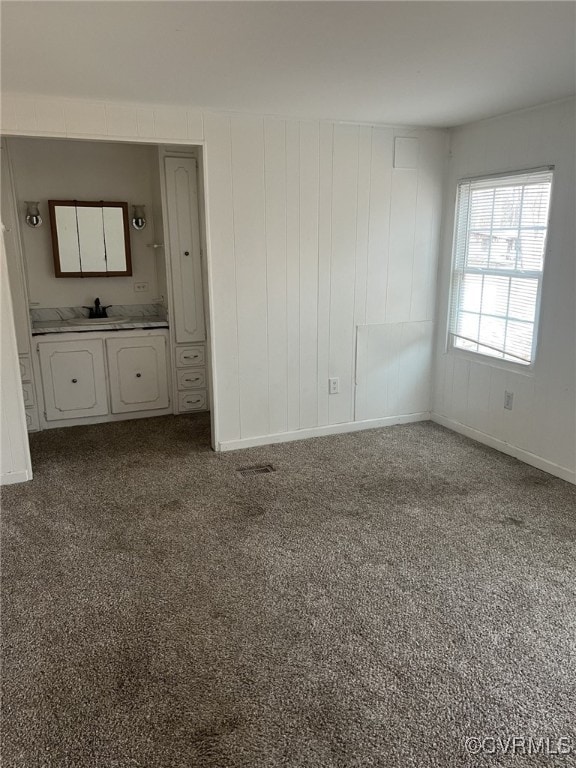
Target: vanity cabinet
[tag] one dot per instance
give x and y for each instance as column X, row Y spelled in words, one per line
column 184, row 261
column 138, row 375
column 73, row 379
column 105, row 377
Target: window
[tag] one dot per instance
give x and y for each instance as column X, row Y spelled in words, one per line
column 499, row 247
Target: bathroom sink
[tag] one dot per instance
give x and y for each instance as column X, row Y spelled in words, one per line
column 99, row 320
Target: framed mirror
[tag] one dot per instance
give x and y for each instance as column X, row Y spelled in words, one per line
column 90, row 239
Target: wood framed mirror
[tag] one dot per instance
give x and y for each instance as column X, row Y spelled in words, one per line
column 90, row 239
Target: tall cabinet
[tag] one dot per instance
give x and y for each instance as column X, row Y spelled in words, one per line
column 184, row 261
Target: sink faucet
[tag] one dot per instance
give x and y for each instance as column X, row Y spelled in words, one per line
column 98, row 310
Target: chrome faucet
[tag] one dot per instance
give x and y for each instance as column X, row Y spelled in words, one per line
column 98, row 310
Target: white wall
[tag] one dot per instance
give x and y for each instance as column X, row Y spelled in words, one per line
column 469, row 394
column 313, row 233
column 13, row 248
column 60, row 169
column 15, row 464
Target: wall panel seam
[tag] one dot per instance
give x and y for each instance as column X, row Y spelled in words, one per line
column 266, row 266
column 235, row 274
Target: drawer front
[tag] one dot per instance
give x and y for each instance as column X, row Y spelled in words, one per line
column 25, row 368
column 28, row 390
column 32, row 423
column 192, row 379
column 191, row 401
column 187, row 356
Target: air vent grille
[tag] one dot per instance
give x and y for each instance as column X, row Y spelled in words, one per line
column 262, row 469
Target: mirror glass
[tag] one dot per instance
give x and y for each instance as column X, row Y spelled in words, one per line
column 114, row 235
column 68, row 239
column 90, row 239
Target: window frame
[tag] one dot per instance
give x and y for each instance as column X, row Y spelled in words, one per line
column 525, row 368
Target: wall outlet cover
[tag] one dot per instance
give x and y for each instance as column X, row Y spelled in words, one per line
column 333, row 386
column 508, row 400
column 140, row 287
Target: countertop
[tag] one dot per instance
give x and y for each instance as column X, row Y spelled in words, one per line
column 40, row 327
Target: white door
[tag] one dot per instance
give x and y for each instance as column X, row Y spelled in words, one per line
column 73, row 379
column 184, row 251
column 138, row 375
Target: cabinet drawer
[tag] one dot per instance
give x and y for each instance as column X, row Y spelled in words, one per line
column 25, row 368
column 191, row 401
column 192, row 379
column 28, row 390
column 187, row 356
column 32, row 423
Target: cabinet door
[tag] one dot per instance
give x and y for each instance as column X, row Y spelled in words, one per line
column 73, row 379
column 184, row 251
column 138, row 376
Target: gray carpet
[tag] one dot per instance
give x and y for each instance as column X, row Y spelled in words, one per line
column 378, row 599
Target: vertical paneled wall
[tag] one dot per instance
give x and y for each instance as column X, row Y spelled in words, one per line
column 15, row 464
column 315, row 234
column 469, row 392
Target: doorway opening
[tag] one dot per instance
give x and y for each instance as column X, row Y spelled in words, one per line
column 93, row 347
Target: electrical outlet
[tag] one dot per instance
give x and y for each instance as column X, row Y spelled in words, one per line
column 140, row 287
column 508, row 400
column 333, row 386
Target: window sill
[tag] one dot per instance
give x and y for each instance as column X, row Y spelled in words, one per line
column 493, row 362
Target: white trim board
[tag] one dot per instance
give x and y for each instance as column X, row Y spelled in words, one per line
column 9, row 478
column 330, row 429
column 36, row 114
column 511, row 450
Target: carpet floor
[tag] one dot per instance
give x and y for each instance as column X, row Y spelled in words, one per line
column 377, row 600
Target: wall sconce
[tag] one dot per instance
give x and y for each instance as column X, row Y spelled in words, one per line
column 33, row 218
column 138, row 217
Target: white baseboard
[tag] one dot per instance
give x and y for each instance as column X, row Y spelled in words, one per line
column 511, row 450
column 329, row 429
column 9, row 478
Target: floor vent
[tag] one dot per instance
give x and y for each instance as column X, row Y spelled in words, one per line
column 259, row 470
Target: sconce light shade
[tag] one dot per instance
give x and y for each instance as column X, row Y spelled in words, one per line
column 33, row 218
column 138, row 217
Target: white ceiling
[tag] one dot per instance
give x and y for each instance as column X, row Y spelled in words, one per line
column 420, row 63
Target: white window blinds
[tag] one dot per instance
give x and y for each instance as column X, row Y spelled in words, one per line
column 499, row 247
